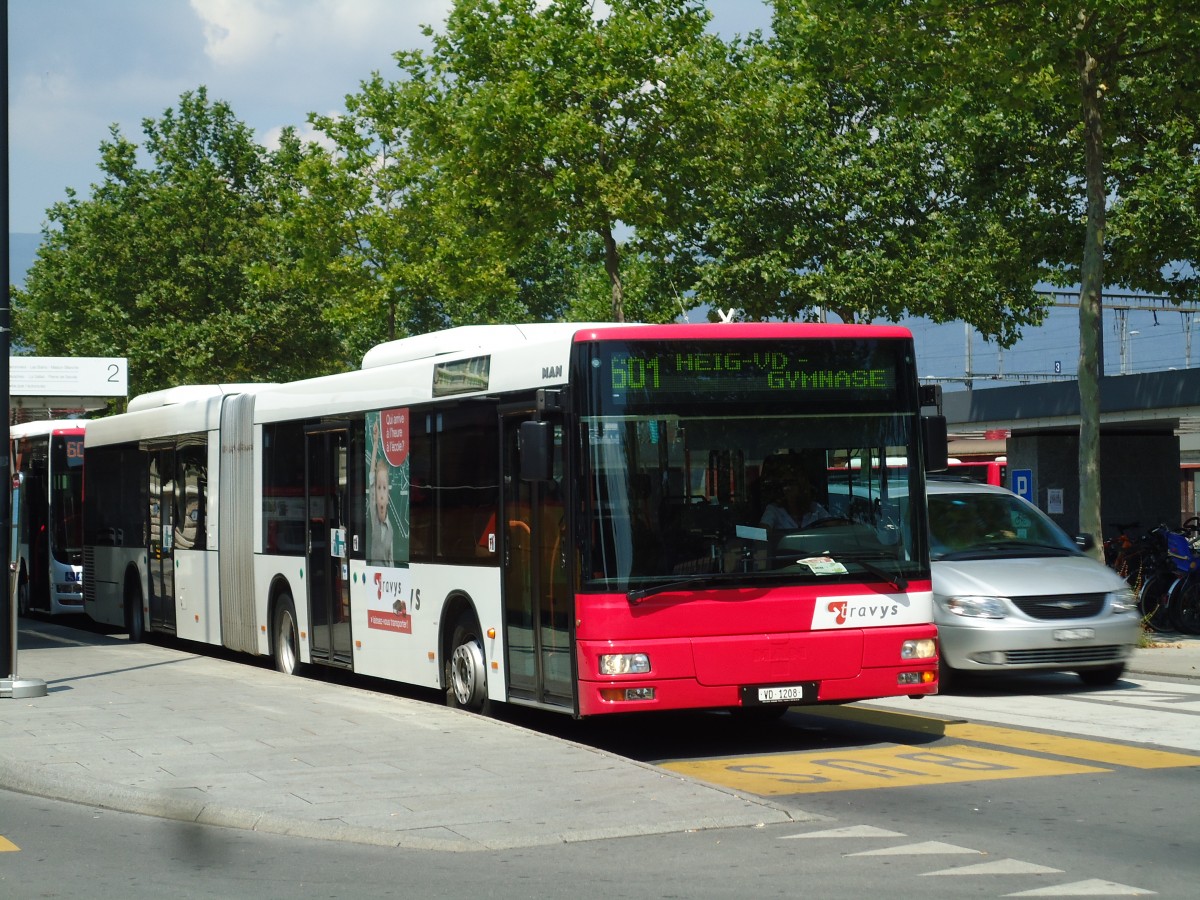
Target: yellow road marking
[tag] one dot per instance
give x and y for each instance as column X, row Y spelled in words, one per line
column 1019, row 739
column 854, row 770
column 6, row 845
column 1026, row 754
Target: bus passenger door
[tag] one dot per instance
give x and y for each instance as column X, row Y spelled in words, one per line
column 328, row 563
column 537, row 603
column 161, row 555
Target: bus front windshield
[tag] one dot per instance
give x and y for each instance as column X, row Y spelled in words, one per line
column 741, row 490
column 66, row 499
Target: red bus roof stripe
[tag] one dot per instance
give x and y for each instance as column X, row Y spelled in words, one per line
column 740, row 331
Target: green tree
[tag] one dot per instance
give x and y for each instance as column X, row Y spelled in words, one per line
column 953, row 154
column 386, row 235
column 835, row 198
column 547, row 122
column 178, row 265
column 1117, row 86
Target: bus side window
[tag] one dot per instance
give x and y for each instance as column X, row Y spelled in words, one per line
column 192, row 480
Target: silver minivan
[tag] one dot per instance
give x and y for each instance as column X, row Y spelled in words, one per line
column 1013, row 592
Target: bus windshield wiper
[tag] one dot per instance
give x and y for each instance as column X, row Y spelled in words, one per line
column 698, row 581
column 895, row 579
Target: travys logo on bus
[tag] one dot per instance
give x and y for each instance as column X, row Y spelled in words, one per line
column 394, row 600
column 843, row 612
column 864, row 611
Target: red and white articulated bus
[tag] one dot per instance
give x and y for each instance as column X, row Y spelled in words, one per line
column 562, row 516
column 47, row 467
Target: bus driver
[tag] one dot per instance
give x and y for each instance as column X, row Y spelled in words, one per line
column 792, row 505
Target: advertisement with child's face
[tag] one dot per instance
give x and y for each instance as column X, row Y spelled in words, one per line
column 387, row 487
column 387, row 521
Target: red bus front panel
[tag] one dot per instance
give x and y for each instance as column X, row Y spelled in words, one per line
column 709, row 650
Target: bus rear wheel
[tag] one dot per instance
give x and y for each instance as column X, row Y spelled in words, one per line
column 135, row 617
column 285, row 644
column 466, row 669
column 23, row 595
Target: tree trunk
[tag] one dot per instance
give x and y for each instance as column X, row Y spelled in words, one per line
column 1091, row 333
column 612, row 265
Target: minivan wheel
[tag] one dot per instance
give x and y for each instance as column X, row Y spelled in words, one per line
column 948, row 679
column 1100, row 677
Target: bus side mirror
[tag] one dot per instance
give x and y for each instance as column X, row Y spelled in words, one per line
column 934, row 439
column 537, row 451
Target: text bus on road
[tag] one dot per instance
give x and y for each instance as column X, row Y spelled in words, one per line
column 47, row 465
column 556, row 515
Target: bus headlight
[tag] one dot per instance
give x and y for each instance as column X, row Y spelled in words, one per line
column 926, row 648
column 624, row 664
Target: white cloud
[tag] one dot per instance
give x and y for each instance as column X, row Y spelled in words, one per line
column 305, row 132
column 276, row 61
column 77, row 66
column 248, row 33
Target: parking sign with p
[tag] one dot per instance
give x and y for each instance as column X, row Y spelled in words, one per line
column 1022, row 483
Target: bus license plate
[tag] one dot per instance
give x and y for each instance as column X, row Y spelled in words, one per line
column 805, row 692
column 793, row 693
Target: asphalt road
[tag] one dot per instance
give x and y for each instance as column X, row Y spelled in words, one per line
column 1036, row 787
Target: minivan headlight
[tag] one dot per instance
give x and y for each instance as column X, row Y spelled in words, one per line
column 974, row 607
column 1122, row 601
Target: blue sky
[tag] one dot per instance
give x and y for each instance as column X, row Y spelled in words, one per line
column 78, row 66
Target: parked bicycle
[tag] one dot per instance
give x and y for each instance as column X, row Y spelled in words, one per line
column 1182, row 600
column 1159, row 576
column 1163, row 568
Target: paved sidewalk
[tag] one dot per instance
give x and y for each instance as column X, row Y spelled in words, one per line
column 158, row 731
column 1173, row 655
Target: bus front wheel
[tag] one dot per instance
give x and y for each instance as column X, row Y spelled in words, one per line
column 135, row 617
column 466, row 669
column 286, row 644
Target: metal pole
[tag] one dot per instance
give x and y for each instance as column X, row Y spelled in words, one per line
column 13, row 686
column 8, row 621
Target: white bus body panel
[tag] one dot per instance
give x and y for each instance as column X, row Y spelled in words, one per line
column 66, row 584
column 291, row 569
column 197, row 615
column 197, row 612
column 394, row 374
column 405, row 646
column 159, row 422
column 109, row 566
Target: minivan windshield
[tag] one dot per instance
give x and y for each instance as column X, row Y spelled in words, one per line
column 971, row 525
